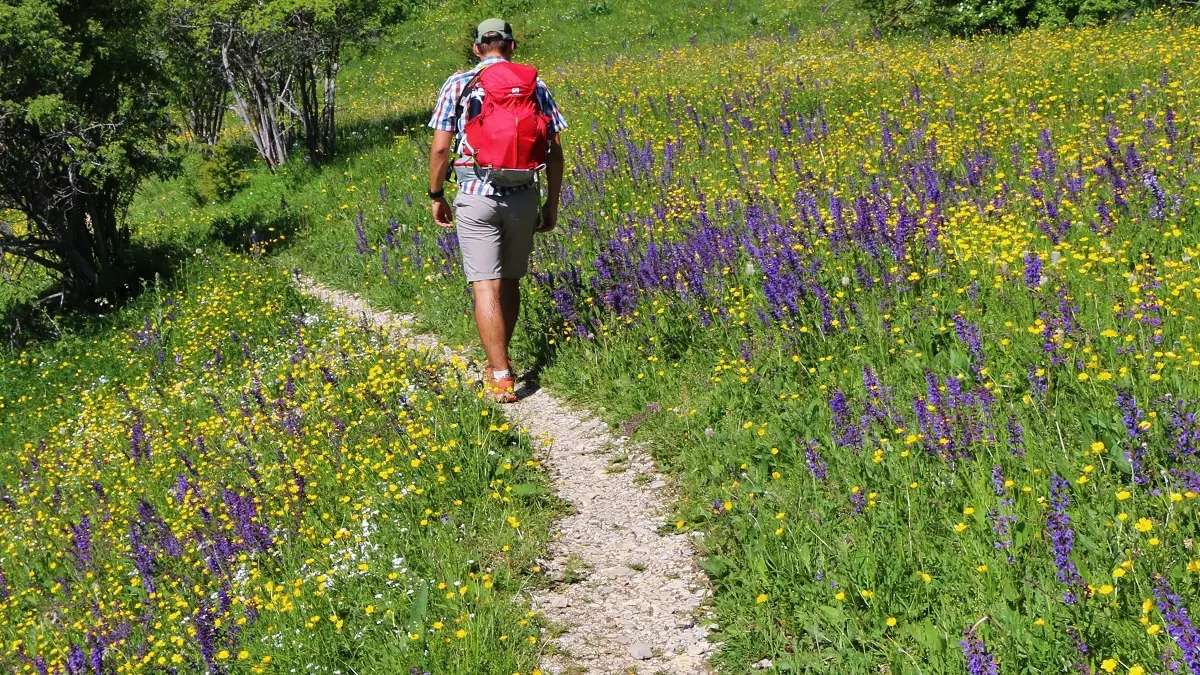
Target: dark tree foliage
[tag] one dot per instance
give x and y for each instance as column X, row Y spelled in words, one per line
column 82, row 119
column 968, row 17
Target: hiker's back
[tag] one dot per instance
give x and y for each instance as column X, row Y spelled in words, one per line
column 509, row 138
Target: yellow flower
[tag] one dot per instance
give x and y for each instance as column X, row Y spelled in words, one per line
column 891, row 621
column 1106, row 589
column 1123, row 495
column 762, row 597
column 1137, row 670
column 1118, row 573
column 460, row 633
column 1098, row 446
column 1144, row 525
column 960, row 527
column 1108, row 665
column 840, row 596
column 866, row 594
column 1154, row 629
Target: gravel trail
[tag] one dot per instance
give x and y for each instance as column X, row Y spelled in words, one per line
column 628, row 595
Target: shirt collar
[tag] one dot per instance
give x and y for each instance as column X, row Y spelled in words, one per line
column 490, row 60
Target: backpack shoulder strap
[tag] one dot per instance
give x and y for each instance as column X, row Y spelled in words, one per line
column 471, row 84
column 466, row 92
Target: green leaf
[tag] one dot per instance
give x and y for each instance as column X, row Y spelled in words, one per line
column 420, row 605
column 528, row 489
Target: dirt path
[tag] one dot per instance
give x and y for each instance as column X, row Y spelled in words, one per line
column 629, row 595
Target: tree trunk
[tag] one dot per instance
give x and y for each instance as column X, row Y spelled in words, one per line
column 256, row 101
column 88, row 244
column 207, row 115
column 329, row 131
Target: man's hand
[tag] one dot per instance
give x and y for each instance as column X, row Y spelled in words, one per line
column 549, row 216
column 442, row 215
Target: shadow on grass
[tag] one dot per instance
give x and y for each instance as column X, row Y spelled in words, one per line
column 50, row 314
column 362, row 135
column 538, row 345
column 263, row 234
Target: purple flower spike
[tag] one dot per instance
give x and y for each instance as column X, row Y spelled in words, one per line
column 1179, row 624
column 1062, row 537
column 976, row 656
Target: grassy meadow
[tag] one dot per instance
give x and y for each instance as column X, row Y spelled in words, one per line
column 235, row 480
column 908, row 319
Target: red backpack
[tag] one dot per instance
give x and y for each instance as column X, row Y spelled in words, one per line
column 511, row 135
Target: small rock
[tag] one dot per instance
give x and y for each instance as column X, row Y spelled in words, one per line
column 697, row 648
column 641, row 651
column 559, row 602
column 658, row 485
column 763, row 665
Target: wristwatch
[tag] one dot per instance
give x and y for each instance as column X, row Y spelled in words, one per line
column 437, row 195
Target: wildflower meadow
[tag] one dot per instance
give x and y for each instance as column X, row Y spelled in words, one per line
column 905, row 319
column 242, row 482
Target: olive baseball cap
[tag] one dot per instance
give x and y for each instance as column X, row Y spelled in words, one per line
column 499, row 26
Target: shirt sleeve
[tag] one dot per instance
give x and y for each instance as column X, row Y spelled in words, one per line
column 446, row 106
column 550, row 108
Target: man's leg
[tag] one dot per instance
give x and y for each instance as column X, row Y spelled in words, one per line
column 510, row 305
column 480, row 238
column 520, row 212
column 492, row 321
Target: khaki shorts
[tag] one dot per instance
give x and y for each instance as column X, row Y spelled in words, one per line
column 496, row 233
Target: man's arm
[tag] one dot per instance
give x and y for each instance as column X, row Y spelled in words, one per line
column 439, row 162
column 554, row 176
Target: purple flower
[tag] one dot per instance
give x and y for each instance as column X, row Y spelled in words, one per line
column 81, row 537
column 976, row 656
column 76, row 661
column 206, row 636
column 858, row 501
column 1033, row 270
column 970, row 335
column 815, row 464
column 139, row 445
column 1132, row 416
column 1016, row 437
column 998, row 481
column 143, row 558
column 1062, row 537
column 845, row 431
column 1179, row 624
column 360, row 233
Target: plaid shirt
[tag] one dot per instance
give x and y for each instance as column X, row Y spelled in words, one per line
column 447, row 117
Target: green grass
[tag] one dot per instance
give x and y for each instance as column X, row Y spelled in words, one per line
column 850, row 455
column 809, row 570
column 226, row 475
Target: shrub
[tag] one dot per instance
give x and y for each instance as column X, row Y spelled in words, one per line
column 221, row 175
column 968, row 17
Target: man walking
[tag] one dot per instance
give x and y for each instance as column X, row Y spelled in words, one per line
column 497, row 205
